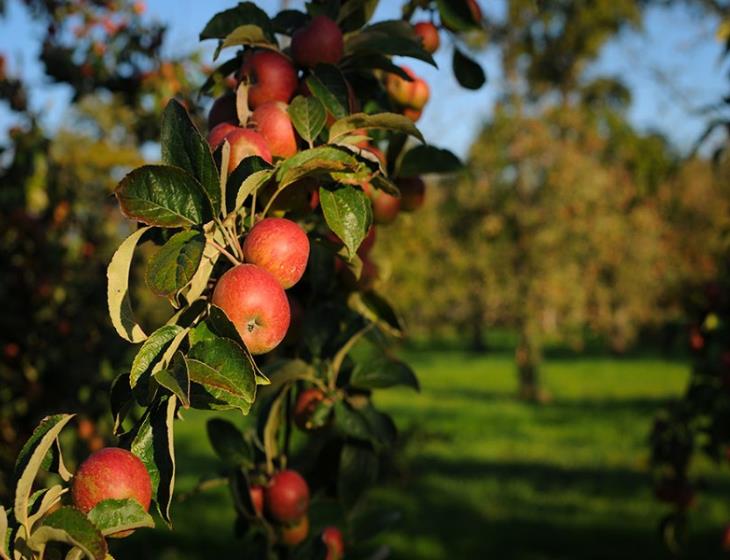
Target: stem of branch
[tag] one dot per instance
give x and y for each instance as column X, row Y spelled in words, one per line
column 223, row 252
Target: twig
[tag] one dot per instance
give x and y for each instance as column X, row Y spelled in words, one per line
column 223, row 252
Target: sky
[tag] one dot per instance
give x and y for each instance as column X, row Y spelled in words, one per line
column 673, row 67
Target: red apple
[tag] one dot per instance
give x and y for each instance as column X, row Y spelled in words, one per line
column 223, row 111
column 367, row 244
column 274, row 124
column 429, row 35
column 111, row 473
column 219, row 133
column 726, row 539
column 385, row 207
column 332, row 538
column 246, row 142
column 420, row 93
column 287, row 496
column 318, row 42
column 257, row 498
column 271, row 77
column 280, row 247
column 256, row 304
column 412, row 94
column 412, row 193
column 305, row 406
column 294, row 534
column 413, row 114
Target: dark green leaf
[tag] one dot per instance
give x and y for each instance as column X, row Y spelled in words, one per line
column 120, row 400
column 175, row 379
column 390, row 38
column 222, row 326
column 151, row 349
column 378, row 310
column 245, row 169
column 351, row 423
column 424, row 159
column 288, row 21
column 355, row 13
column 229, row 443
column 370, row 523
column 319, row 161
column 224, row 70
column 175, row 264
column 327, row 84
column 468, row 73
column 456, row 15
column 68, row 525
column 246, row 13
column 160, row 195
column 358, row 471
column 247, row 34
column 377, row 62
column 308, row 116
column 184, row 147
column 116, row 516
column 387, row 121
column 383, row 373
column 348, row 214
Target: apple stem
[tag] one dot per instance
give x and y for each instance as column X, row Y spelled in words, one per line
column 253, row 210
column 223, row 252
column 232, row 241
column 271, row 201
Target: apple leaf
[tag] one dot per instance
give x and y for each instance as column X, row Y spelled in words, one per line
column 120, row 305
column 224, row 23
column 308, row 117
column 319, row 161
column 68, row 525
column 175, row 379
column 120, row 400
column 468, row 73
column 252, row 184
column 175, row 264
column 222, row 326
column 350, row 422
column 382, row 427
column 33, row 456
column 358, row 471
column 377, row 62
column 348, row 214
column 164, row 196
column 287, row 22
column 116, row 516
column 152, row 441
column 199, row 281
column 389, row 38
column 225, row 69
column 327, row 84
column 48, row 498
column 456, row 15
column 382, row 373
column 245, row 169
column 388, row 121
column 4, row 534
column 248, row 34
column 150, row 350
column 183, row 146
column 386, row 185
column 424, row 159
column 229, row 444
column 222, row 374
column 378, row 310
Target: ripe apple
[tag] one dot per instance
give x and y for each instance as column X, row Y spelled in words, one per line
column 292, row 535
column 219, row 133
column 257, row 498
column 272, row 121
column 367, row 244
column 305, row 406
column 412, row 94
column 332, row 538
column 385, row 207
column 318, row 42
column 429, row 35
column 246, row 142
column 111, row 473
column 287, row 496
column 412, row 193
column 280, row 247
column 413, row 114
column 256, row 304
column 726, row 538
column 223, row 111
column 271, row 77
column 420, row 93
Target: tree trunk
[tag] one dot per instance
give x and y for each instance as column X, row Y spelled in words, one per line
column 476, row 325
column 528, row 356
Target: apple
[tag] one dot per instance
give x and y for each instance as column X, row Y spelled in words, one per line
column 223, row 111
column 413, row 114
column 318, row 42
column 287, row 496
column 111, row 473
column 272, row 121
column 332, row 539
column 219, row 133
column 412, row 193
column 420, row 93
column 257, row 498
column 280, row 247
column 412, row 94
column 385, row 207
column 294, row 534
column 429, row 35
column 305, row 406
column 256, row 304
column 726, row 538
column 246, row 142
column 367, row 244
column 271, row 77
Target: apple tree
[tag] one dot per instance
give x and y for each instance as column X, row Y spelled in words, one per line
column 264, row 229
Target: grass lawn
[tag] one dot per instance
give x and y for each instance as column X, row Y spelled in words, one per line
column 482, row 475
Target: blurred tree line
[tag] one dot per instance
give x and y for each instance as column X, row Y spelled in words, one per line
column 568, row 220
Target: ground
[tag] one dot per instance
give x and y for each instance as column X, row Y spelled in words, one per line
column 482, row 475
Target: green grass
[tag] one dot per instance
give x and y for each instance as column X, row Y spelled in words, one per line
column 482, row 475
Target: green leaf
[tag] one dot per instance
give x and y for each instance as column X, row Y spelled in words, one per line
column 350, row 422
column 229, row 444
column 31, row 458
column 175, row 378
column 456, row 15
column 288, row 21
column 199, row 281
column 327, row 84
column 120, row 400
column 3, row 534
column 389, row 38
column 388, row 121
column 160, row 195
column 245, row 169
column 68, row 525
column 348, row 214
column 308, row 116
column 117, row 516
column 382, row 427
column 319, row 161
column 153, row 442
column 248, row 34
column 424, row 159
column 384, row 184
column 221, row 368
column 377, row 62
column 150, row 350
column 383, row 373
column 468, row 73
column 224, row 23
column 175, row 264
column 225, row 69
column 358, row 471
column 120, row 305
column 378, row 310
column 222, row 326
column 48, row 498
column 183, row 146
column 252, row 184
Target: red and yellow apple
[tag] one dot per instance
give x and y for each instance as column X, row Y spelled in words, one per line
column 295, row 533
column 429, row 36
column 272, row 121
column 306, row 404
column 318, row 42
column 223, row 111
column 246, row 142
column 412, row 193
column 280, row 247
column 287, row 496
column 271, row 77
column 332, row 539
column 257, row 498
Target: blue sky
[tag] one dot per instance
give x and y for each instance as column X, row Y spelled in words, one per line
column 673, row 66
